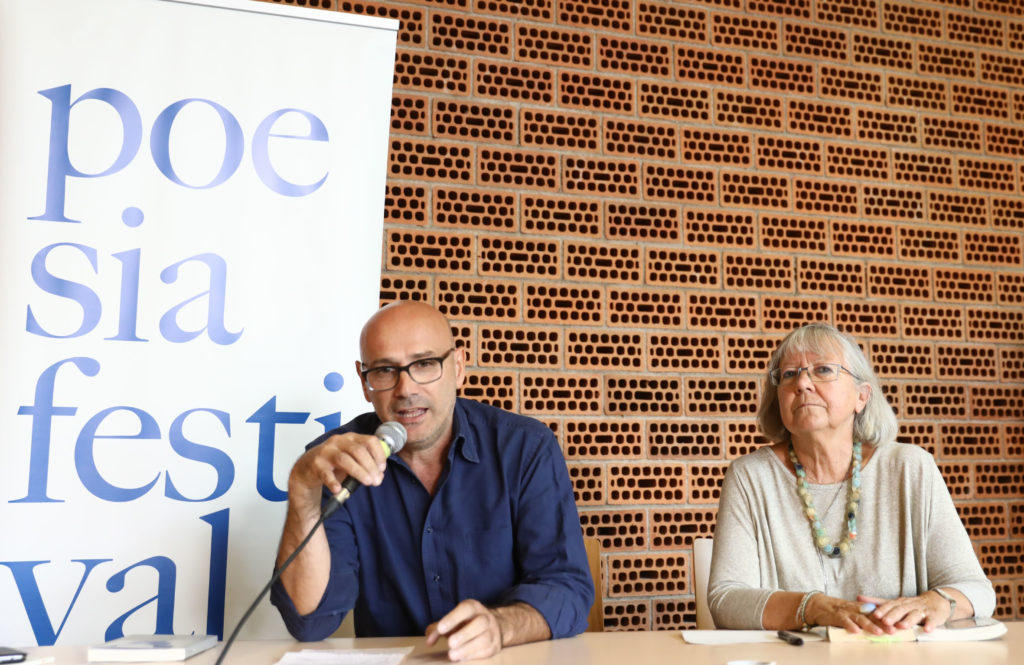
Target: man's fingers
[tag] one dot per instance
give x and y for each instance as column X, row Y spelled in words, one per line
column 476, row 638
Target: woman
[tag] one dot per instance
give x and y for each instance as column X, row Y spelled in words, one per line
column 836, row 524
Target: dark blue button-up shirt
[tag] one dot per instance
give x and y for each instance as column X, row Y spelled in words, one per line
column 501, row 528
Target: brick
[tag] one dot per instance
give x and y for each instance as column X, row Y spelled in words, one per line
column 602, row 262
column 676, row 528
column 758, row 111
column 647, row 575
column 596, row 92
column 677, row 352
column 469, row 34
column 854, row 13
column 513, row 82
column 782, row 314
column 720, row 397
column 481, row 299
column 709, row 65
column 675, row 440
column 429, row 251
column 636, row 57
column 517, row 255
column 565, row 304
column 635, row 483
column 708, row 311
column 716, row 146
column 618, row 530
column 560, row 130
column 645, row 308
column 750, row 190
column 646, row 222
column 604, row 350
column 554, row 46
column 745, row 32
column 604, row 439
column 966, row 362
column 560, row 393
column 561, row 215
column 615, row 15
column 755, row 272
column 636, row 394
column 519, row 346
column 417, row 70
column 719, row 229
column 932, row 322
column 474, row 209
column 656, row 99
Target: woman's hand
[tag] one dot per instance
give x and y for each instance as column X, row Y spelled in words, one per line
column 929, row 609
column 825, row 610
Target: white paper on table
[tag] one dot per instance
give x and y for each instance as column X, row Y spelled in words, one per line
column 345, row 656
column 741, row 637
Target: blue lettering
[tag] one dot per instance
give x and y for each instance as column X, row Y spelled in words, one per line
column 261, row 152
column 333, row 382
column 83, row 295
column 215, row 326
column 267, row 416
column 42, row 411
column 28, row 589
column 128, row 312
column 60, row 161
column 219, row 522
column 166, row 575
column 85, row 462
column 159, row 143
column 215, row 457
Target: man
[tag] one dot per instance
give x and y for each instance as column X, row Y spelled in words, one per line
column 469, row 532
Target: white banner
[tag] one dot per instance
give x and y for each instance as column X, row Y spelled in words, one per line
column 191, row 212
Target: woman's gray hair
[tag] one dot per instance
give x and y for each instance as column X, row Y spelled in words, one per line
column 876, row 423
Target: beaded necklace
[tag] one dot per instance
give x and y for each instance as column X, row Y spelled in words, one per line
column 852, row 504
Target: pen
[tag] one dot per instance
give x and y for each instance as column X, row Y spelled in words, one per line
column 791, row 638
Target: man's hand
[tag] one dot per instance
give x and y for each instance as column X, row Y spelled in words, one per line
column 360, row 456
column 473, row 631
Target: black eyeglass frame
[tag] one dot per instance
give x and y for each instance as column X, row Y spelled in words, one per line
column 404, row 368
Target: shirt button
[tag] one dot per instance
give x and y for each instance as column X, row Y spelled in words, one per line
column 437, row 578
column 430, row 529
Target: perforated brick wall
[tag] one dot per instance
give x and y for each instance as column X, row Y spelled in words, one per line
column 623, row 206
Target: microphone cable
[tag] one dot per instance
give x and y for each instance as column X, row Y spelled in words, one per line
column 392, row 436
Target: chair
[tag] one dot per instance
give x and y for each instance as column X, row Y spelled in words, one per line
column 702, row 548
column 595, row 620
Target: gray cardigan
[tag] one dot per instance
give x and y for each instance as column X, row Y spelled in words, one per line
column 910, row 538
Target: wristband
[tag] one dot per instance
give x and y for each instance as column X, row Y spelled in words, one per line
column 952, row 601
column 801, row 613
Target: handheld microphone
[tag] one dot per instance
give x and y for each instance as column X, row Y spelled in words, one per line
column 392, row 438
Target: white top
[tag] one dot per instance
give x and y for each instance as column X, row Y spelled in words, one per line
column 909, row 536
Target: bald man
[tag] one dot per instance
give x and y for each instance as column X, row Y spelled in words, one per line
column 469, row 532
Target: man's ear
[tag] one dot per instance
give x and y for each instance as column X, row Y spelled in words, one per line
column 362, row 384
column 460, row 366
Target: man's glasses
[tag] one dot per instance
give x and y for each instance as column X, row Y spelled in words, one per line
column 819, row 373
column 424, row 370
